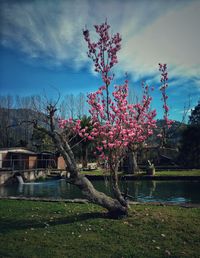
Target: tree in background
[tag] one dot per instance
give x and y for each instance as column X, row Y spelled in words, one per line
column 134, row 147
column 13, row 111
column 6, row 104
column 190, row 144
column 41, row 142
column 194, row 118
column 73, row 106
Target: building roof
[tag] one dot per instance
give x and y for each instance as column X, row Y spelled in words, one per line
column 17, row 150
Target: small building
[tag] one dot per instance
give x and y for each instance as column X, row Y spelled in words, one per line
column 46, row 159
column 17, row 158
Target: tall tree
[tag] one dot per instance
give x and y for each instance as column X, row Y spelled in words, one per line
column 190, row 147
column 81, row 105
column 194, row 118
column 6, row 104
column 114, row 123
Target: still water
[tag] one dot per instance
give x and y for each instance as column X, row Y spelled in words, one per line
column 143, row 191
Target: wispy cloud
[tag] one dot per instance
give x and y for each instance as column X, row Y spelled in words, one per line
column 160, row 31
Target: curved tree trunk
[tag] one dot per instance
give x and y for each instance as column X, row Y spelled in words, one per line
column 116, row 207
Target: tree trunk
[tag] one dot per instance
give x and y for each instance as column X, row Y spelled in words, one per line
column 132, row 162
column 115, row 185
column 84, row 155
column 114, row 207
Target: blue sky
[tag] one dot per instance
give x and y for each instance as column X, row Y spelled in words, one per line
column 42, row 48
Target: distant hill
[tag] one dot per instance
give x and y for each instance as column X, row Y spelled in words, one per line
column 12, row 134
column 15, row 129
column 173, row 134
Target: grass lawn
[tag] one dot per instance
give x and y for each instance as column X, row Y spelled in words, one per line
column 95, row 172
column 192, row 172
column 42, row 229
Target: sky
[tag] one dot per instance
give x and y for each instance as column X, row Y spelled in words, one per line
column 42, row 47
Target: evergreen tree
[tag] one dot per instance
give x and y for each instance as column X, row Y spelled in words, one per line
column 194, row 119
column 190, row 148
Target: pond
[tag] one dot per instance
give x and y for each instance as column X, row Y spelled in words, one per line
column 142, row 191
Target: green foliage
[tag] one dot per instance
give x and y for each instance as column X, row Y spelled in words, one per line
column 194, row 119
column 190, row 148
column 173, row 134
column 190, row 143
column 39, row 229
column 41, row 141
column 84, row 151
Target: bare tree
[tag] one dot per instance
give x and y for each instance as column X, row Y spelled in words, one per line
column 6, row 104
column 14, row 110
column 80, row 105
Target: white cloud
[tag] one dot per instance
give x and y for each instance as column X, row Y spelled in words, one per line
column 153, row 31
column 172, row 38
column 43, row 29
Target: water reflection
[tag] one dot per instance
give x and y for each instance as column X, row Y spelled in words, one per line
column 144, row 191
column 170, row 191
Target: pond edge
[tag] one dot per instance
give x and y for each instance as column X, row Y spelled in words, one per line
column 85, row 201
column 145, row 177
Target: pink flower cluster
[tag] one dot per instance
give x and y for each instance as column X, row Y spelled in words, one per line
column 70, row 125
column 115, row 124
column 127, row 124
column 104, row 51
column 63, row 123
column 164, row 79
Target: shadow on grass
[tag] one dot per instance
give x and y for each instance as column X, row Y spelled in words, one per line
column 8, row 225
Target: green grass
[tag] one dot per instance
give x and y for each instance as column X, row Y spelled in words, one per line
column 96, row 172
column 193, row 172
column 41, row 229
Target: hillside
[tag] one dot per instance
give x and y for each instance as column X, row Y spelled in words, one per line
column 16, row 128
column 16, row 131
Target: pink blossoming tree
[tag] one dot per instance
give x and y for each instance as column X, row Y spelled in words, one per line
column 167, row 122
column 115, row 125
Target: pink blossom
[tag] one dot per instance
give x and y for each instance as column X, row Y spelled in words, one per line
column 99, row 148
column 115, row 124
column 90, row 138
column 111, row 145
column 164, row 79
